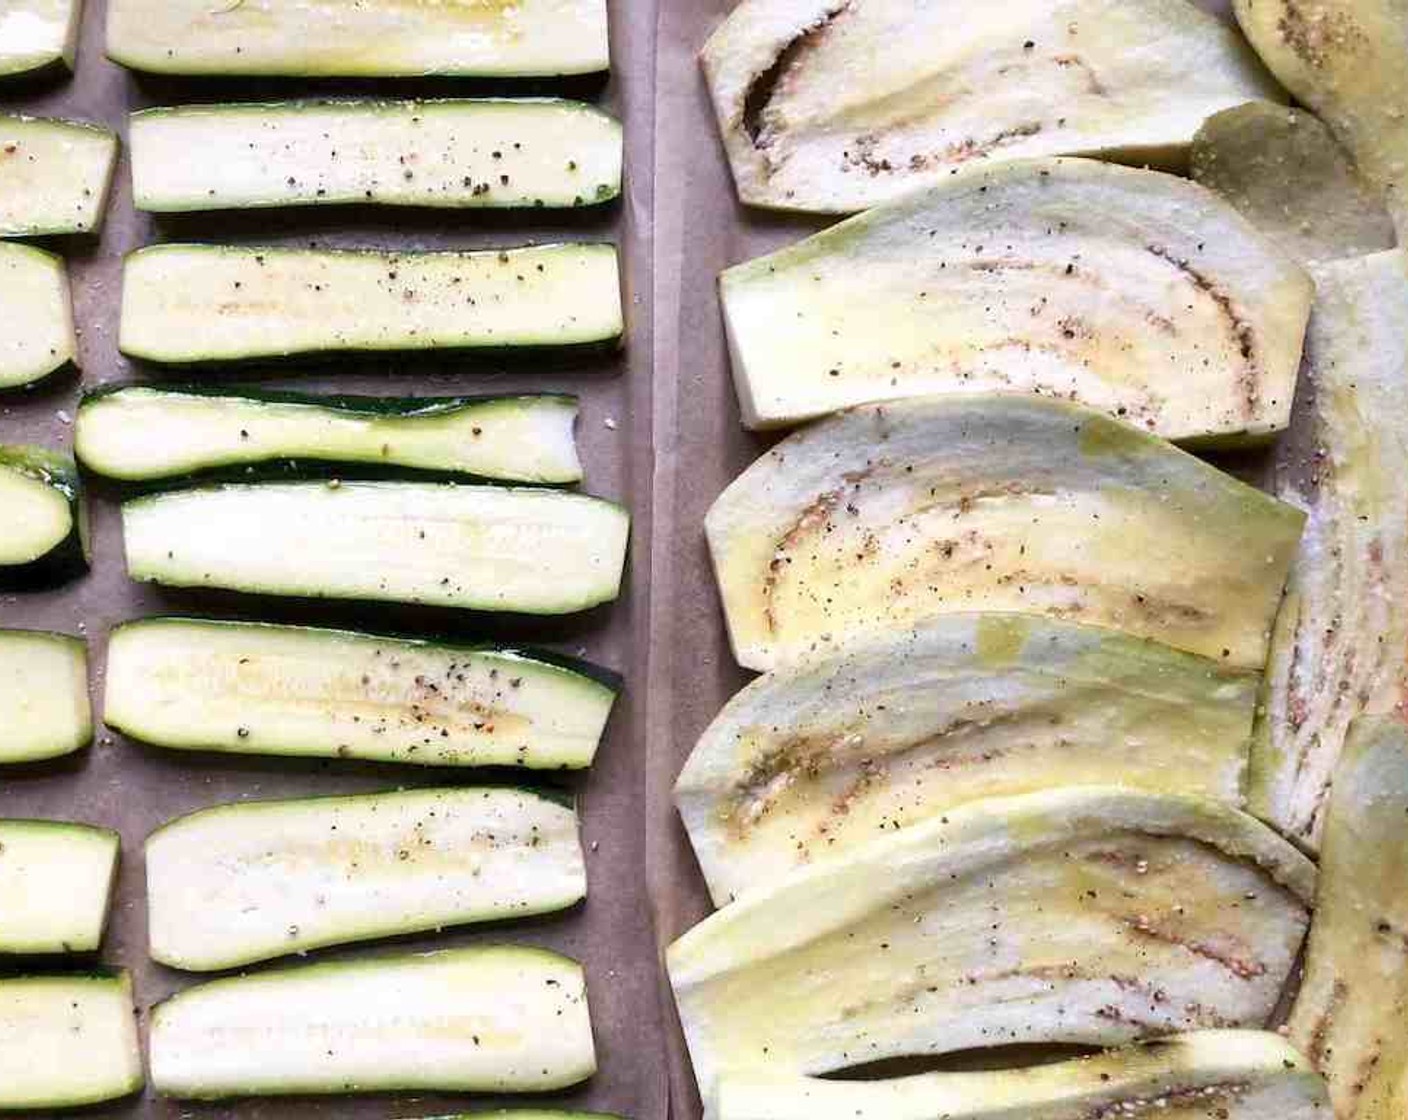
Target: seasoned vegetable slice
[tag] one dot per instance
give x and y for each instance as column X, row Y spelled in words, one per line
column 56, row 175
column 1132, row 292
column 36, row 35
column 44, row 707
column 37, row 338
column 836, row 106
column 893, row 513
column 1088, row 915
column 815, row 760
column 41, row 507
column 56, row 882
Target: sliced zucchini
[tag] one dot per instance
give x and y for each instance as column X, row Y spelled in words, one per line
column 837, row 106
column 67, row 1041
column 141, row 434
column 1133, row 292
column 36, row 35
column 377, row 38
column 893, row 513
column 56, row 175
column 1351, row 1017
column 486, row 153
column 505, row 1019
column 1226, row 1075
column 1286, row 173
column 1085, row 915
column 1338, row 648
column 44, row 707
column 36, row 317
column 483, row 548
column 206, row 303
column 56, row 883
column 816, row 760
column 41, row 506
column 251, row 881
column 253, row 688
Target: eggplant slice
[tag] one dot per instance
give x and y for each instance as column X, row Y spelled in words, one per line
column 836, row 105
column 814, row 761
column 1351, row 1017
column 1091, row 915
column 892, row 513
column 1341, row 639
column 1228, row 1075
column 1133, row 292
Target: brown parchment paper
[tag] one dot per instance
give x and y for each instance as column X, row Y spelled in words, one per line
column 135, row 789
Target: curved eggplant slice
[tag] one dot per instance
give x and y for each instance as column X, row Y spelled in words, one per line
column 1230, row 1075
column 1351, row 1017
column 1286, row 173
column 1342, row 637
column 892, row 513
column 814, row 761
column 1088, row 915
column 836, row 105
column 1133, row 292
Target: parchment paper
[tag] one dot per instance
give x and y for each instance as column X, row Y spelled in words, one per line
column 134, row 789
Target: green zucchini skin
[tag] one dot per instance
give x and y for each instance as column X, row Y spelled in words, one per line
column 68, row 558
column 212, row 465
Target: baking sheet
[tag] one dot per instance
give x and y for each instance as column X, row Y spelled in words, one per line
column 135, row 789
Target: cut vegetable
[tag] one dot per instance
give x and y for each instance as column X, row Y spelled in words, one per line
column 1227, row 1075
column 837, row 106
column 477, row 547
column 37, row 35
column 1088, row 915
column 56, row 883
column 1133, row 292
column 207, row 303
column 56, row 175
column 1348, row 61
column 140, row 434
column 41, row 507
column 893, row 513
column 487, row 153
column 44, row 708
column 36, row 317
column 247, row 882
column 1286, row 173
column 67, row 1041
column 1351, row 1017
column 499, row 1019
column 381, row 38
column 252, row 688
column 1341, row 642
column 814, row 761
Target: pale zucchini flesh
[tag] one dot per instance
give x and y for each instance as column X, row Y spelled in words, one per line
column 893, row 513
column 1351, row 1016
column 449, row 154
column 142, row 434
column 41, row 506
column 56, row 882
column 380, row 38
column 36, row 35
column 1129, row 291
column 814, row 761
column 55, row 175
column 67, row 1042
column 44, row 706
column 254, row 688
column 1205, row 1075
column 37, row 336
column 247, row 882
column 1086, row 915
column 187, row 304
column 482, row 548
column 837, row 106
column 1341, row 639
column 494, row 1019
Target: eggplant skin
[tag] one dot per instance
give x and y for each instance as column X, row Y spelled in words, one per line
column 813, row 761
column 1351, row 1016
column 833, row 106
